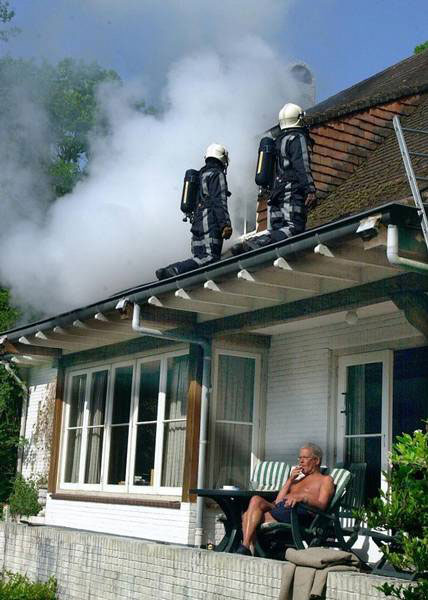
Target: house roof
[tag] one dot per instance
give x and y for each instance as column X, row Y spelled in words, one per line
column 381, row 177
column 294, row 270
column 406, row 78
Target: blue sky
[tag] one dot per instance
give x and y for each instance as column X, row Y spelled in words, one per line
column 343, row 41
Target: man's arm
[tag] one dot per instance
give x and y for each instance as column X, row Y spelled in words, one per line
column 286, row 487
column 320, row 500
column 217, row 188
column 299, row 158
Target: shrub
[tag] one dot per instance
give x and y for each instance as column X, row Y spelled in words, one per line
column 404, row 509
column 23, row 499
column 14, row 586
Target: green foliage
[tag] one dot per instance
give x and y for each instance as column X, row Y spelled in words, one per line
column 8, row 315
column 421, row 47
column 10, row 412
column 404, row 509
column 64, row 98
column 23, row 499
column 6, row 15
column 14, row 586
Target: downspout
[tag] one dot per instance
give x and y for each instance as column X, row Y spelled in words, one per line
column 206, row 385
column 23, row 425
column 395, row 259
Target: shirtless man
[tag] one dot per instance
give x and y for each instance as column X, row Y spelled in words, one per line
column 305, row 484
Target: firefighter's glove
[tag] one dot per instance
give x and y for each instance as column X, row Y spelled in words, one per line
column 226, row 232
column 311, row 201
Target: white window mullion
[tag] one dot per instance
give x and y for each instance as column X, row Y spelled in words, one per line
column 106, row 412
column 109, row 412
column 85, row 428
column 160, row 422
column 132, row 437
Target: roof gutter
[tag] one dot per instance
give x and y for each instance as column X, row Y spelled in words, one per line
column 393, row 256
column 205, row 344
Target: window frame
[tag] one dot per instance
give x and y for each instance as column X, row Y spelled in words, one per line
column 111, row 366
column 257, row 397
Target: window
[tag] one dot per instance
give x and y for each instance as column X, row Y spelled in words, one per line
column 235, row 407
column 126, row 426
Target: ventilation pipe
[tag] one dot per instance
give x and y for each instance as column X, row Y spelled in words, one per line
column 395, row 259
column 23, row 425
column 206, row 385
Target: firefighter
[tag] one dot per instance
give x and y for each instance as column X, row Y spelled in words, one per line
column 210, row 221
column 292, row 189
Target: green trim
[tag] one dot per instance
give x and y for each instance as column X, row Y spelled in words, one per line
column 139, row 344
column 361, row 295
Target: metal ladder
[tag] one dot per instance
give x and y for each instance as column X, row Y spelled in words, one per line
column 413, row 179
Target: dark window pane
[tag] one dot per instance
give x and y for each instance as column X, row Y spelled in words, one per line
column 145, row 455
column 410, row 392
column 149, row 391
column 177, row 387
column 232, row 454
column 173, row 453
column 364, row 399
column 97, row 404
column 94, row 455
column 122, row 395
column 118, row 453
column 73, row 456
column 78, row 385
column 366, row 450
column 235, row 393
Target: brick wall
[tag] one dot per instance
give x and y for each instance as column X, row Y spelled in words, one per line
column 100, row 567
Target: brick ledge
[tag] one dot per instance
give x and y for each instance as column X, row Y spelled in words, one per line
column 109, row 500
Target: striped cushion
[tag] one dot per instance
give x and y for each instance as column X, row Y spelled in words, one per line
column 341, row 478
column 270, row 475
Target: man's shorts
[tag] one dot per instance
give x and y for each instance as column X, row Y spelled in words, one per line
column 282, row 513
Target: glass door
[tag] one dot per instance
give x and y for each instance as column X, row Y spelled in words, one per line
column 364, row 414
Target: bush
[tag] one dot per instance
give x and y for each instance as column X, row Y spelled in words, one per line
column 404, row 509
column 14, row 586
column 24, row 498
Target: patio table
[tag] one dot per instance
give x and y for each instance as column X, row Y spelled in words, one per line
column 233, row 503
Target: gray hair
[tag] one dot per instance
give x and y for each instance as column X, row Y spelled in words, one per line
column 316, row 450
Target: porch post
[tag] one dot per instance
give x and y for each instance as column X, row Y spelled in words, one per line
column 56, row 434
column 191, row 452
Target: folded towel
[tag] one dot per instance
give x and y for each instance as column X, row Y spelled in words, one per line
column 319, row 558
column 305, row 574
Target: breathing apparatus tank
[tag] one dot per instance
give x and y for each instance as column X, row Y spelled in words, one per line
column 189, row 196
column 266, row 163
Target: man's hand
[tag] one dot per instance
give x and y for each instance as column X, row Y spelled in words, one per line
column 295, row 473
column 311, row 201
column 226, row 232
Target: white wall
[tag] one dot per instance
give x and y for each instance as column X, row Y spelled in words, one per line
column 150, row 523
column 301, row 394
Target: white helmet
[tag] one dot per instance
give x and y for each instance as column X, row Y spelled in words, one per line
column 219, row 152
column 291, row 115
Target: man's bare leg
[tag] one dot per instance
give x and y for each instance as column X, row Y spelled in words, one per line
column 257, row 512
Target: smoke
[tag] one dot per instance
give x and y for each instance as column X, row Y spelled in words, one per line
column 123, row 221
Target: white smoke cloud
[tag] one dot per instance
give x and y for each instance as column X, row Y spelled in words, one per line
column 124, row 221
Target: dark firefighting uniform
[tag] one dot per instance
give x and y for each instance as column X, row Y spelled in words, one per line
column 210, row 217
column 292, row 183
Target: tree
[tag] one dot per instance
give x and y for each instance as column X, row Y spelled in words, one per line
column 421, row 47
column 6, row 15
column 404, row 510
column 63, row 98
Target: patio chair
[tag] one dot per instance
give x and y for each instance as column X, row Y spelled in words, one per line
column 269, row 475
column 273, row 538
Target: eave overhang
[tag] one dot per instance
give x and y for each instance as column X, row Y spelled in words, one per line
column 319, row 270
